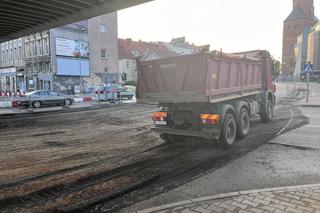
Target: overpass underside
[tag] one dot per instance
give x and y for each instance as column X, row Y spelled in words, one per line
column 19, row 18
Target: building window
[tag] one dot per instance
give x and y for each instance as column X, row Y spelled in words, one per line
column 33, row 48
column 7, row 56
column 11, row 56
column 103, row 28
column 46, row 45
column 103, row 53
column 20, row 54
column 26, row 50
column 3, row 57
column 39, row 47
column 16, row 57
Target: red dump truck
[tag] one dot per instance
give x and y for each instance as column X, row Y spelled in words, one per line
column 207, row 95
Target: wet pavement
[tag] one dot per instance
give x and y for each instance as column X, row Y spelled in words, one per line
column 296, row 199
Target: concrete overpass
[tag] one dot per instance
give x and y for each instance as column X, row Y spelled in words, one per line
column 19, row 18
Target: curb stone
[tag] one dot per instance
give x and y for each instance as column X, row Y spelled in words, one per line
column 226, row 195
column 307, row 105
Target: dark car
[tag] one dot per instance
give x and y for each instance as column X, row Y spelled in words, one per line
column 38, row 99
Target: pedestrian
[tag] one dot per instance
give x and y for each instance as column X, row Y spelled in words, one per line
column 302, row 78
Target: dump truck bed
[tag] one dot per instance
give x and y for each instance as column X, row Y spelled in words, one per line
column 199, row 78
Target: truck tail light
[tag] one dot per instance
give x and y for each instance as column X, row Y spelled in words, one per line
column 209, row 119
column 159, row 116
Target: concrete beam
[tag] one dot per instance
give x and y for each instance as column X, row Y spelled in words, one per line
column 22, row 18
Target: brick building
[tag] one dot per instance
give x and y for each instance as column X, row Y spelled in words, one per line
column 301, row 17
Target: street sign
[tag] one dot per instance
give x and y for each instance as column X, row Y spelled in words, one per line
column 308, row 68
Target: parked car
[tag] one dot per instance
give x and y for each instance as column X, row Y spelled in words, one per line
column 125, row 93
column 41, row 98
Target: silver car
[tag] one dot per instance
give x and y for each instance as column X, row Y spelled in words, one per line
column 38, row 99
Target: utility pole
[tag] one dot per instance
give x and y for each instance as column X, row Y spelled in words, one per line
column 283, row 67
column 80, row 68
column 33, row 67
column 308, row 69
column 83, row 30
column 308, row 87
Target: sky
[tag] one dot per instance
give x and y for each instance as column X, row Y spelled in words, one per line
column 232, row 25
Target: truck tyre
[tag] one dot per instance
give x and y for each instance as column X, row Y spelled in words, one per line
column 228, row 131
column 172, row 138
column 267, row 114
column 243, row 126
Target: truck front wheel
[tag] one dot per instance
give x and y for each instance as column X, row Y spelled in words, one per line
column 228, row 131
column 172, row 138
column 243, row 124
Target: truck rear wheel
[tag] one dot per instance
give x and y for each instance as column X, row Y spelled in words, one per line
column 243, row 124
column 229, row 131
column 267, row 114
column 172, row 138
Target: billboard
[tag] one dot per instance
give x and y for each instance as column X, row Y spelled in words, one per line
column 73, row 67
column 72, row 48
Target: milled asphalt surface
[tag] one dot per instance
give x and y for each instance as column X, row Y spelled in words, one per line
column 291, row 159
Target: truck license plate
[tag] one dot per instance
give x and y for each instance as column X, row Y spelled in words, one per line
column 160, row 122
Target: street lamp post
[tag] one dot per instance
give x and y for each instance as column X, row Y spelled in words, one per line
column 83, row 30
column 33, row 67
column 287, row 78
column 80, row 69
column 308, row 82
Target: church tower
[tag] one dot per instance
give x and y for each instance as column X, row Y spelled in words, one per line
column 306, row 6
column 301, row 17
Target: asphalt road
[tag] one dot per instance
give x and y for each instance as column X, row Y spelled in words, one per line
column 107, row 160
